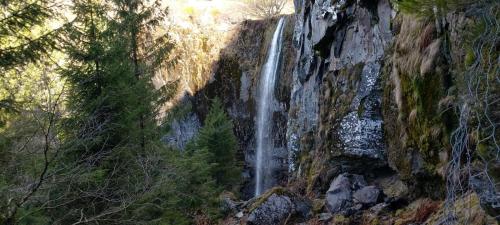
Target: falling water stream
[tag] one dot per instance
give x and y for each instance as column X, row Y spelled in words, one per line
column 265, row 102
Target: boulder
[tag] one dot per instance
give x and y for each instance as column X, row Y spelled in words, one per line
column 274, row 210
column 339, row 195
column 228, row 204
column 368, row 195
column 349, row 193
column 392, row 186
column 303, row 208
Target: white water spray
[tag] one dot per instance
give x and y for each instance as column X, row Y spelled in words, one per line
column 264, row 112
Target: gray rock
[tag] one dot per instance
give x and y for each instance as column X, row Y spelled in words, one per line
column 325, row 216
column 357, row 181
column 361, row 130
column 239, row 215
column 339, row 195
column 489, row 196
column 377, row 209
column 274, row 210
column 228, row 205
column 357, row 207
column 349, row 193
column 331, row 36
column 368, row 195
column 245, row 86
column 303, row 208
column 392, row 186
column 182, row 130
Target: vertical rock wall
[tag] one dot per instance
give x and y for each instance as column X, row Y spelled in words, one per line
column 335, row 120
column 235, row 80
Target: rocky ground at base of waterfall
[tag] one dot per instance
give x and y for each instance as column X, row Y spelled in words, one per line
column 351, row 199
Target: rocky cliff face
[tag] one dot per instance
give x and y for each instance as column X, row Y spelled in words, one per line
column 235, row 81
column 335, row 117
column 363, row 121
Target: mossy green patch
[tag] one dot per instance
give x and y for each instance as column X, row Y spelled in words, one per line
column 469, row 57
column 340, row 220
column 318, row 205
column 417, row 127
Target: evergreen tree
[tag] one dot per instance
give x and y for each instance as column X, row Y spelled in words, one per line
column 107, row 165
column 217, row 137
column 30, row 103
column 135, row 25
column 111, row 137
column 23, row 35
column 187, row 190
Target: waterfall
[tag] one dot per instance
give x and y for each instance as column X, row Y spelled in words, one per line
column 265, row 102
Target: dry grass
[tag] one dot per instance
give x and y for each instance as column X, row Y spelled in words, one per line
column 195, row 51
column 467, row 211
column 407, row 59
column 315, row 221
column 426, row 37
column 418, row 212
column 202, row 219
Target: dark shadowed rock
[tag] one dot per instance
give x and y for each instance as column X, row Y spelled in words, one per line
column 489, row 197
column 303, row 209
column 349, row 193
column 336, row 89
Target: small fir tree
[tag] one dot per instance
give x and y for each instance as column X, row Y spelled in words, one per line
column 218, row 138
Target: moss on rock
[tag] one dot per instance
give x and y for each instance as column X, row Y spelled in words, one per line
column 418, row 129
column 261, row 199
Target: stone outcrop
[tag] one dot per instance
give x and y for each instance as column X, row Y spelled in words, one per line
column 349, row 193
column 182, row 130
column 274, row 210
column 335, row 118
column 363, row 90
column 276, row 206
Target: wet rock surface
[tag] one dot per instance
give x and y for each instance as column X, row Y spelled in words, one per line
column 364, row 98
column 339, row 196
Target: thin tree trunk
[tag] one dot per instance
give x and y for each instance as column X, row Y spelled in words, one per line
column 137, row 72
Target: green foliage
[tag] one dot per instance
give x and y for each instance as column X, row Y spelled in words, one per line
column 193, row 179
column 7, row 108
column 99, row 160
column 184, row 189
column 111, row 136
column 217, row 137
column 29, row 94
column 24, row 36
